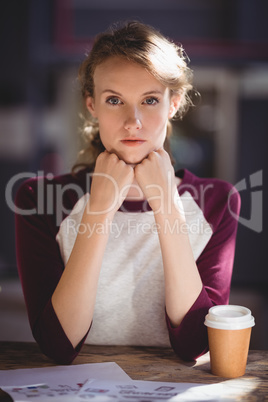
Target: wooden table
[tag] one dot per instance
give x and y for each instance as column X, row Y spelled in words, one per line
column 150, row 363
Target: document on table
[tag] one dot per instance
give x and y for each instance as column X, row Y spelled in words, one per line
column 59, row 382
column 149, row 391
column 100, row 382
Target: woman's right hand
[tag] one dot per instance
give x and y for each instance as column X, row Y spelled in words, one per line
column 111, row 181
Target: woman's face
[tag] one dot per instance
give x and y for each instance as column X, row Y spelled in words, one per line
column 132, row 108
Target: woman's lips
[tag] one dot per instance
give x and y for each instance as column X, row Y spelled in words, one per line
column 132, row 142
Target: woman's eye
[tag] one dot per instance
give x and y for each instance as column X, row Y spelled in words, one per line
column 151, row 101
column 113, row 101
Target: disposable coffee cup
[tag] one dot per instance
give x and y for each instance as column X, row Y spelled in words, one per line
column 229, row 330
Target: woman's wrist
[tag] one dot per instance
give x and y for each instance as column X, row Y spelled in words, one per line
column 97, row 214
column 170, row 209
column 171, row 220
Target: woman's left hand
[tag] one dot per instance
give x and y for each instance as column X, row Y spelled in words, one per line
column 156, row 178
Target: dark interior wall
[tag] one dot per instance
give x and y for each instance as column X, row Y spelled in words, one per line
column 250, row 264
column 184, row 20
column 14, row 27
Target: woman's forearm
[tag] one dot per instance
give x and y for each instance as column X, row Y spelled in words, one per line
column 182, row 280
column 74, row 297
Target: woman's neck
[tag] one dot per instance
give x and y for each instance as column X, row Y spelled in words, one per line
column 135, row 193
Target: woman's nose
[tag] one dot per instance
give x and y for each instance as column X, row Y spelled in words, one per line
column 133, row 122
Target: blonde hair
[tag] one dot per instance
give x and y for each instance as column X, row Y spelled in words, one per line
column 141, row 44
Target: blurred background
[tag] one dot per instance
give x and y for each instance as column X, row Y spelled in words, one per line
column 224, row 135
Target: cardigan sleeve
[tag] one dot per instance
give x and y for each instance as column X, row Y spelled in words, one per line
column 40, row 267
column 215, row 265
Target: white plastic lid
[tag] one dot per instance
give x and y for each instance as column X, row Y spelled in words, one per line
column 229, row 317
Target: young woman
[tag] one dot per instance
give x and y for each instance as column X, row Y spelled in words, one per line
column 125, row 251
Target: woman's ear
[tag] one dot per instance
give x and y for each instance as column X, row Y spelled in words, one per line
column 90, row 104
column 174, row 105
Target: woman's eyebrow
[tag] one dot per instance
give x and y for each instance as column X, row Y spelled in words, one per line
column 152, row 92
column 111, row 91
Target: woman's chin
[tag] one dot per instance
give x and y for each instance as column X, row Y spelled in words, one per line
column 133, row 163
column 130, row 159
